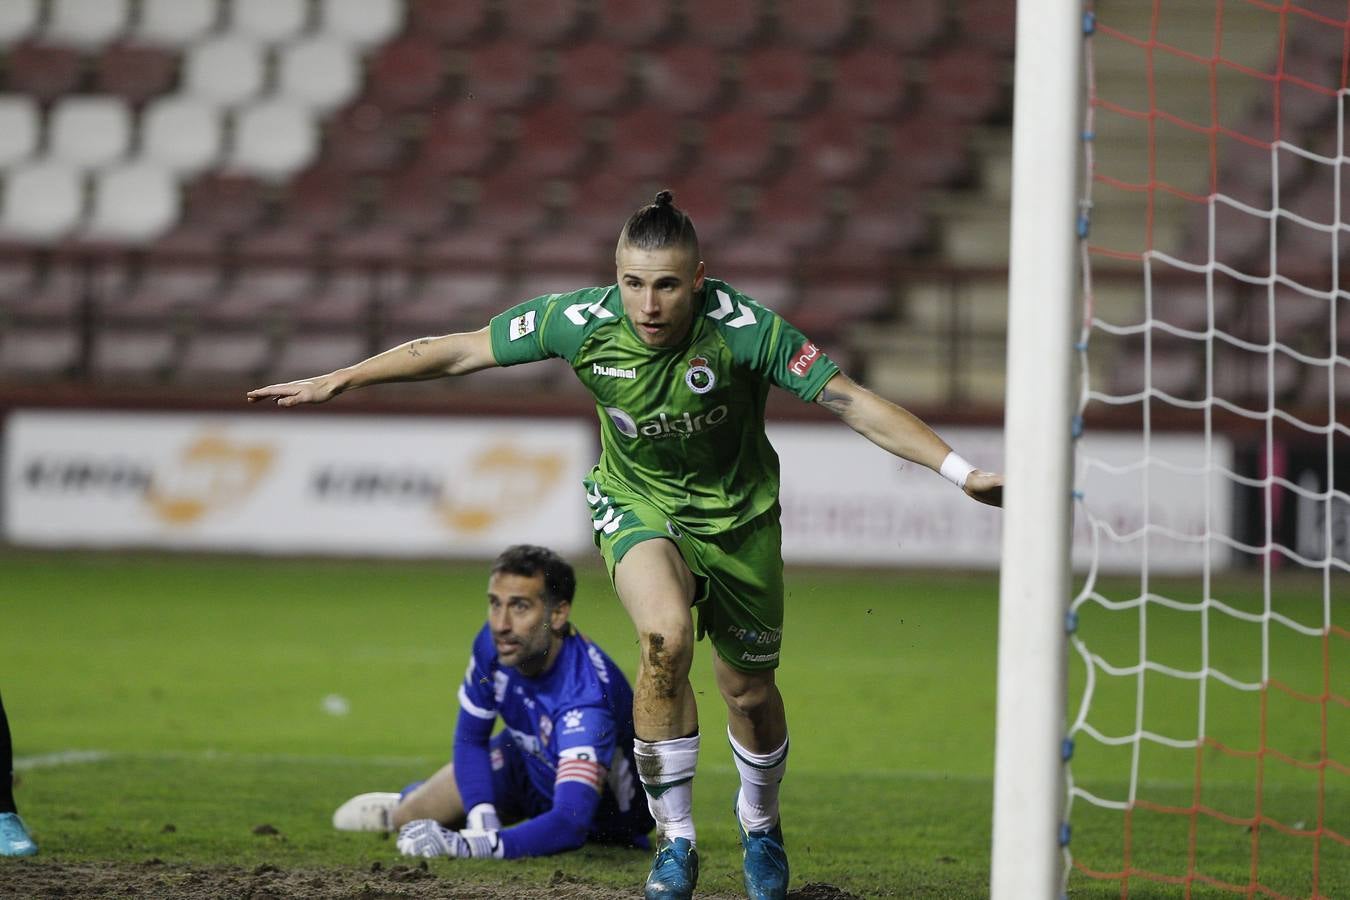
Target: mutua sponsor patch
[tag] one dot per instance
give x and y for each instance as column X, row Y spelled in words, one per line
column 806, row 358
column 522, row 325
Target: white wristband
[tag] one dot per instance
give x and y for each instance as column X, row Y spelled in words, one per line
column 956, row 470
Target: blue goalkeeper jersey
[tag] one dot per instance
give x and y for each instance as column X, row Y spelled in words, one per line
column 573, row 724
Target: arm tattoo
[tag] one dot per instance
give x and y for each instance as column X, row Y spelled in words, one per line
column 412, row 347
column 834, row 401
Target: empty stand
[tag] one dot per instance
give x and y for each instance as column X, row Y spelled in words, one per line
column 132, row 355
column 39, row 352
column 817, row 24
column 174, row 23
column 406, row 73
column 213, row 357
column 136, row 202
column 224, row 205
column 593, row 75
column 18, row 19
column 269, row 21
column 742, row 144
column 181, row 134
column 553, row 140
column 909, row 26
column 225, row 70
column 648, row 142
column 305, row 354
column 869, row 81
column 777, row 79
column 273, row 139
column 460, row 138
column 42, row 201
column 967, row 80
column 85, row 23
column 89, row 131
column 686, row 78
column 543, row 22
column 362, row 22
column 20, row 128
column 135, row 72
column 502, row 74
column 834, row 146
column 453, row 23
column 365, row 137
column 726, row 26
column 633, row 23
column 321, row 72
column 42, row 71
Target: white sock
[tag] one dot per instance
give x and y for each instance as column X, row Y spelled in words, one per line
column 760, row 776
column 666, row 769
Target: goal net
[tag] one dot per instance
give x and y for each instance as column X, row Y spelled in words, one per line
column 1208, row 741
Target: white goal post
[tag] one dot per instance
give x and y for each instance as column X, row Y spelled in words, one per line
column 1034, row 583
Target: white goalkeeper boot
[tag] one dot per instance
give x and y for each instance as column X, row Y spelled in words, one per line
column 367, row 812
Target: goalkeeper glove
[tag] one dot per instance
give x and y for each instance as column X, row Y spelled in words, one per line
column 426, row 837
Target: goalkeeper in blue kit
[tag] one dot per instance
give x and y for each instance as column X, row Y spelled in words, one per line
column 560, row 772
column 684, row 499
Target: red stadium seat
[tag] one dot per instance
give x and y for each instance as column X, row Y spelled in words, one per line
column 42, row 71
column 927, row 147
column 646, row 141
column 542, row 22
column 319, row 201
column 511, row 203
column 834, row 146
column 777, row 80
column 593, row 75
column 501, row 74
column 686, row 78
column 870, row 81
column 883, row 215
column 827, row 310
column 364, row 137
column 224, row 204
column 599, row 204
column 993, row 24
column 740, row 144
column 724, row 25
column 795, row 210
column 416, row 203
column 135, row 73
column 633, row 23
column 455, row 23
column 818, row 24
column 459, row 138
column 909, row 26
column 966, row 80
column 553, row 140
column 406, row 73
column 714, row 203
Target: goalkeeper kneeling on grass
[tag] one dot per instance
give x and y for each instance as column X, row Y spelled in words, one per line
column 560, row 772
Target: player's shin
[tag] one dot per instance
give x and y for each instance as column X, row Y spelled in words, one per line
column 761, row 774
column 666, row 769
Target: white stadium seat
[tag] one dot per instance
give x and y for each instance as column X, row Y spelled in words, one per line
column 175, row 23
column 20, row 127
column 89, row 131
column 319, row 72
column 17, row 20
column 85, row 23
column 269, row 21
column 362, row 22
column 226, row 70
column 136, row 202
column 274, row 138
column 181, row 134
column 42, row 201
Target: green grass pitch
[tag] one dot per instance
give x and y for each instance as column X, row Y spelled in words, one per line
column 151, row 691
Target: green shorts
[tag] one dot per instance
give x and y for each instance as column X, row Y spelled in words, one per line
column 739, row 573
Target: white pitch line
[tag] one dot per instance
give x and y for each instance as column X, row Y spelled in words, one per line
column 60, row 758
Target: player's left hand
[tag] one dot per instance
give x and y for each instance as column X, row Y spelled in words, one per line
column 426, row 837
column 986, row 487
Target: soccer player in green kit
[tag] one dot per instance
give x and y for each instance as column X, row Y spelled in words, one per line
column 684, row 499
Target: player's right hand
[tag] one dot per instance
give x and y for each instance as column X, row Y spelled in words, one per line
column 293, row 393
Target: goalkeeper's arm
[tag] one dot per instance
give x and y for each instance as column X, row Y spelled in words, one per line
column 417, row 360
column 901, row 433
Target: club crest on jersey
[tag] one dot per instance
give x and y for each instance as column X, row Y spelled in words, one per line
column 700, row 378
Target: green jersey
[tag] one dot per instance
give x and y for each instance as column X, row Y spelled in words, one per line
column 681, row 427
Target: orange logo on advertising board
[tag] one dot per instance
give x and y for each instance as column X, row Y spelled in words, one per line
column 502, row 480
column 212, row 473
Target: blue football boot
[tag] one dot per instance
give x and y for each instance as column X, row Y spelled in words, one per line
column 765, row 860
column 674, row 871
column 14, row 837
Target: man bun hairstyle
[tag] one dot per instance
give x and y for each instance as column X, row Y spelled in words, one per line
column 659, row 225
column 529, row 560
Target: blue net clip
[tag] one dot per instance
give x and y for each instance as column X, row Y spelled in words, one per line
column 1066, row 749
column 1076, row 428
column 1065, row 832
column 1070, row 622
column 1089, row 22
column 1089, row 136
column 1084, row 223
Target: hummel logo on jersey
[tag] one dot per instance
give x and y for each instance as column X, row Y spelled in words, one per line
column 522, row 325
column 612, row 371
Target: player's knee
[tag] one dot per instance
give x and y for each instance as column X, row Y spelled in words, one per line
column 666, row 657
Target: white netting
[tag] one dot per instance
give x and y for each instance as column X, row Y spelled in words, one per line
column 1209, row 734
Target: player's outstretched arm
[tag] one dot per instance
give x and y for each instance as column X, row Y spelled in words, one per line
column 417, row 360
column 901, row 433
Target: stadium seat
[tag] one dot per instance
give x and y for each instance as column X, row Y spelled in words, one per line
column 646, row 142
column 459, row 138
column 268, row 21
column 39, row 352
column 174, row 23
column 817, row 24
column 18, row 19
column 212, row 356
column 543, row 22
column 88, row 131
column 553, row 140
column 869, row 81
column 225, row 70
column 776, row 80
column 834, row 146
column 43, row 71
column 54, row 295
column 451, row 23
column 136, row 73
column 131, row 355
column 910, row 26
column 794, row 210
column 711, row 200
column 136, row 203
column 85, row 23
column 20, row 127
column 723, row 25
column 305, row 354
column 927, row 146
column 500, row 74
column 164, row 291
column 827, row 310
column 319, row 201
column 361, row 22
column 220, row 204
column 740, row 144
column 593, row 75
column 258, row 293
column 364, row 137
column 180, row 133
column 990, row 23
column 564, row 259
column 319, row 72
column 511, row 202
column 273, row 139
column 416, row 203
column 458, row 299
column 406, row 73
column 633, row 23
column 686, row 78
column 598, row 203
column 42, row 201
column 966, row 80
column 884, row 214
